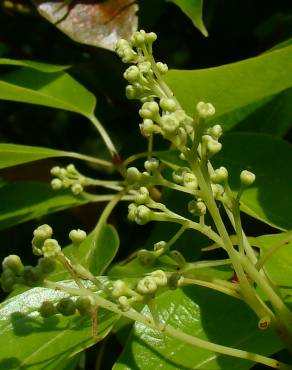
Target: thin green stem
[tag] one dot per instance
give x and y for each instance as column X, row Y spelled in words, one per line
column 88, row 158
column 107, row 140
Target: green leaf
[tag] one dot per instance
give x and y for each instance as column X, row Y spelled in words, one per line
column 23, row 201
column 44, row 67
column 269, row 199
column 205, row 314
column 232, row 86
column 194, row 10
column 279, row 265
column 13, row 154
column 44, row 343
column 56, row 90
column 99, row 249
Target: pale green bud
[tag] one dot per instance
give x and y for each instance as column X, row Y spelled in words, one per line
column 147, row 127
column 32, row 275
column 178, row 258
column 13, row 263
column 159, row 277
column 132, row 74
column 138, row 38
column 160, row 245
column 132, row 211
column 146, row 257
column 77, row 189
column 162, row 67
column 51, row 248
column 71, row 169
column 147, row 285
column 143, row 215
column 55, row 171
column 178, row 175
column 215, row 131
column 142, row 196
column 133, row 175
column 8, row 279
column 119, row 288
column 205, row 110
column 151, row 37
column 56, row 184
column 145, row 67
column 220, row 175
column 247, row 178
column 169, row 124
column 214, row 147
column 168, row 104
column 77, row 236
column 149, row 110
column 131, row 92
column 43, row 232
column 190, row 181
column 151, row 165
column 124, row 303
column 197, row 208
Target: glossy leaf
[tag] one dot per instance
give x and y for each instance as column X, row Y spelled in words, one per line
column 279, row 265
column 194, row 10
column 192, row 310
column 44, row 67
column 23, row 201
column 232, row 86
column 102, row 248
column 95, row 23
column 44, row 343
column 56, row 90
column 13, row 154
column 269, row 198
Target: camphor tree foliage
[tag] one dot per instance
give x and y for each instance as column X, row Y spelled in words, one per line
column 204, row 278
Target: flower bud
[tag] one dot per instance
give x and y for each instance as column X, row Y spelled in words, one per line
column 147, row 285
column 47, row 265
column 190, row 181
column 143, row 215
column 47, row 309
column 220, row 175
column 215, row 131
column 247, row 178
column 142, row 196
column 77, row 189
column 169, row 124
column 151, row 37
column 214, row 147
column 160, row 245
column 132, row 74
column 205, row 110
column 51, row 248
column 66, row 307
column 42, row 233
column 13, row 262
column 146, row 257
column 119, row 288
column 138, row 38
column 133, row 175
column 124, row 303
column 84, row 304
column 77, row 236
column 8, row 279
column 162, row 67
column 132, row 211
column 149, row 110
column 168, row 104
column 71, row 170
column 151, row 165
column 178, row 174
column 55, row 171
column 56, row 184
column 145, row 67
column 131, row 92
column 160, row 277
column 32, row 275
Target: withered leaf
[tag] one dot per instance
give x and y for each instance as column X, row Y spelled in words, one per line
column 93, row 22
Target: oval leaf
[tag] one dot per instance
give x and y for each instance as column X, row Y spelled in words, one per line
column 56, row 90
column 44, row 67
column 234, row 85
column 23, row 201
column 100, row 23
column 44, row 343
column 192, row 311
column 14, row 154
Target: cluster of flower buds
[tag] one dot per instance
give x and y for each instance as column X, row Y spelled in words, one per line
column 14, row 272
column 68, row 307
column 66, row 178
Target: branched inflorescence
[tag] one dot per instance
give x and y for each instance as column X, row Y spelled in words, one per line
column 194, row 143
